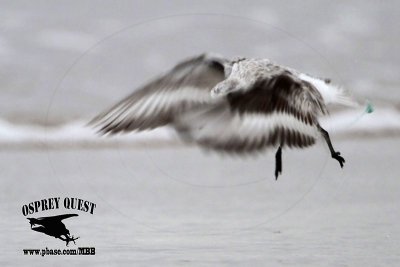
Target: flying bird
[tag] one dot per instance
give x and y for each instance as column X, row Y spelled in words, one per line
column 235, row 106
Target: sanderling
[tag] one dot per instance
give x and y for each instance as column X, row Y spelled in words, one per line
column 235, row 105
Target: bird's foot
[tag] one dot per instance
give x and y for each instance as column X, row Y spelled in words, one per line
column 336, row 155
column 277, row 172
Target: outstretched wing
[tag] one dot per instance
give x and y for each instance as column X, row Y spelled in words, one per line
column 281, row 93
column 280, row 110
column 56, row 218
column 156, row 104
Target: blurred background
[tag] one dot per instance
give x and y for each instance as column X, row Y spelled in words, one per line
column 63, row 62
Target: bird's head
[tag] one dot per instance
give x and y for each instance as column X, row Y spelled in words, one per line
column 226, row 87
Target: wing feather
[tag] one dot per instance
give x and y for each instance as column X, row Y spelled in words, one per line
column 156, row 104
column 279, row 110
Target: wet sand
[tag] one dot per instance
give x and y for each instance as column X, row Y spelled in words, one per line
column 183, row 207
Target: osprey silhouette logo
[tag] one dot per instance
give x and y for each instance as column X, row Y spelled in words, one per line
column 53, row 226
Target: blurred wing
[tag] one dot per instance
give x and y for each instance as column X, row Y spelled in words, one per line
column 282, row 93
column 156, row 104
column 281, row 110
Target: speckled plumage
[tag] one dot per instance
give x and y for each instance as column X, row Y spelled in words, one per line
column 235, row 106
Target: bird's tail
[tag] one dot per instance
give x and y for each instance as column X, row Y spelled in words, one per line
column 331, row 93
column 342, row 97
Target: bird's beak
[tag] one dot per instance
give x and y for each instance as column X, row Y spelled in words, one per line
column 226, row 87
column 217, row 92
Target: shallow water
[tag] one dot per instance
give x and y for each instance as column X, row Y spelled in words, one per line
column 183, row 207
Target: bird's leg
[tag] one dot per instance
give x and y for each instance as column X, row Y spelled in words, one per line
column 278, row 162
column 334, row 154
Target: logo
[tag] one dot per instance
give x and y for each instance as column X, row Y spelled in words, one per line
column 57, row 225
column 53, row 226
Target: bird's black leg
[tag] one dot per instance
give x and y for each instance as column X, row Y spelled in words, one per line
column 334, row 154
column 278, row 162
